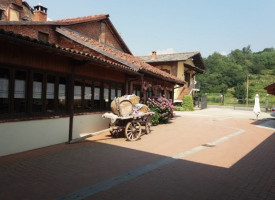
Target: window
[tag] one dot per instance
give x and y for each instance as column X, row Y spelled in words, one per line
column 169, row 94
column 62, row 94
column 187, row 78
column 4, row 90
column 50, row 94
column 88, row 95
column 149, row 92
column 14, row 15
column 44, row 37
column 119, row 90
column 106, row 96
column 113, row 91
column 77, row 94
column 97, row 88
column 20, row 84
column 166, row 70
column 137, row 90
column 27, row 93
column 33, row 93
column 37, row 92
column 160, row 92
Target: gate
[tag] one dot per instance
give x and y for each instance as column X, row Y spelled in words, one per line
column 203, row 103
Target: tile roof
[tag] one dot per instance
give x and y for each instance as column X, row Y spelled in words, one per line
column 270, row 89
column 81, row 19
column 68, row 21
column 71, row 21
column 119, row 56
column 66, row 50
column 169, row 57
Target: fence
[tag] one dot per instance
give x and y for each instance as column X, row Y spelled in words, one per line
column 217, row 99
column 200, row 102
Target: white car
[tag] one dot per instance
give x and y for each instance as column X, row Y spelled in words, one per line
column 272, row 112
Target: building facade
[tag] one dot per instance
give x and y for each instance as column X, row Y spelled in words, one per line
column 57, row 78
column 182, row 65
column 15, row 10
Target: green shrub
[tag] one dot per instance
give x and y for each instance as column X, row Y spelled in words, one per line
column 187, row 103
column 178, row 108
column 155, row 119
column 163, row 109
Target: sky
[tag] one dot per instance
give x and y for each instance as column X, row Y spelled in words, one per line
column 174, row 26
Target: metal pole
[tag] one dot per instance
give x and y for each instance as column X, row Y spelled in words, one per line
column 247, row 90
column 71, row 105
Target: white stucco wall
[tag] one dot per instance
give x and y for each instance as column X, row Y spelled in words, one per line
column 22, row 136
column 27, row 135
column 85, row 124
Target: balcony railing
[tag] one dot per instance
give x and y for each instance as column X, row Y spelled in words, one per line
column 194, row 86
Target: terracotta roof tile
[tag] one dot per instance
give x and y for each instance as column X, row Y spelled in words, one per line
column 68, row 21
column 81, row 19
column 169, row 57
column 174, row 57
column 60, row 48
column 126, row 57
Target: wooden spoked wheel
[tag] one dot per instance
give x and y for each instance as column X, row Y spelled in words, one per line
column 133, row 131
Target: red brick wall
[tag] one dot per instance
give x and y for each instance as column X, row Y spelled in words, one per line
column 111, row 40
column 27, row 13
column 32, row 31
column 6, row 4
column 91, row 29
column 18, row 2
column 39, row 16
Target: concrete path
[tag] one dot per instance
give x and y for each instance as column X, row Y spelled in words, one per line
column 207, row 154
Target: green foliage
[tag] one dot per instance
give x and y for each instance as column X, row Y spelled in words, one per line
column 187, row 103
column 155, row 119
column 224, row 73
column 240, row 92
column 178, row 108
column 163, row 109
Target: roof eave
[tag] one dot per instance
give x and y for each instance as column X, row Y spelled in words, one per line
column 64, row 33
column 179, row 82
column 69, row 52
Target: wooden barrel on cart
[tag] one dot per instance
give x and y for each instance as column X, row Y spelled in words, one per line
column 121, row 106
column 134, row 99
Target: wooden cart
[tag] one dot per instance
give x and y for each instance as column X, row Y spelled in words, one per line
column 132, row 125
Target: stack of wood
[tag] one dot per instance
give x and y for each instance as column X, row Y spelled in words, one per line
column 125, row 105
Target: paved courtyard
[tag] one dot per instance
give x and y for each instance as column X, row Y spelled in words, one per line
column 207, row 154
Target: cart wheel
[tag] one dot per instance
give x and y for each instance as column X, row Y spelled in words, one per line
column 148, row 127
column 133, row 131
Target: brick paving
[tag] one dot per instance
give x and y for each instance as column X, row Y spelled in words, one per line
column 241, row 167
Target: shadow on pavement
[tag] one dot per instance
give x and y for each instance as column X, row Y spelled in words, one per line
column 56, row 171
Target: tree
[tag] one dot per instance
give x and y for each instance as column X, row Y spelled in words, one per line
column 247, row 50
column 226, row 72
column 239, row 92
